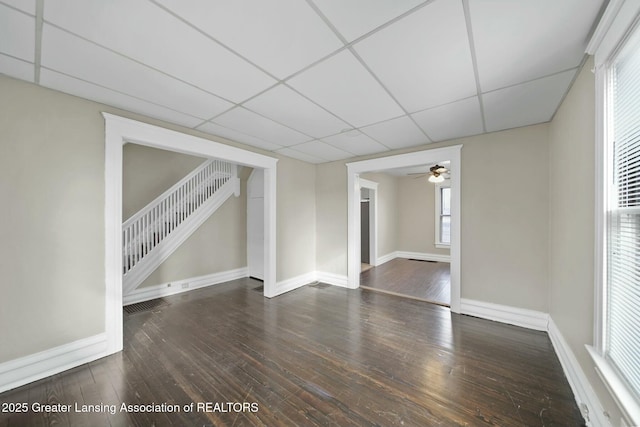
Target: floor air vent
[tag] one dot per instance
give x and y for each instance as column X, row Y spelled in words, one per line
column 150, row 305
column 423, row 260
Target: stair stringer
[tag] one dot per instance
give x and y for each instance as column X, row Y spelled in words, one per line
column 178, row 236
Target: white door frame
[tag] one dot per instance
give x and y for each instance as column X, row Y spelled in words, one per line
column 120, row 130
column 373, row 218
column 418, row 158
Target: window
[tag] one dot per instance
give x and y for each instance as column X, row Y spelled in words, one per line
column 443, row 215
column 622, row 321
column 617, row 347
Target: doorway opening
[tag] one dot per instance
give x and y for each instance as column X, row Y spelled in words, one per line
column 119, row 131
column 354, row 192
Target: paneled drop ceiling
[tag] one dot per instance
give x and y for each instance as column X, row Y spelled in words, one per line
column 316, row 80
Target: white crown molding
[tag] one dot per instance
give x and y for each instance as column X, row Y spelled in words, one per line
column 24, row 370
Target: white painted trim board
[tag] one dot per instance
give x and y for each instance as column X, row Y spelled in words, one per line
column 24, row 370
column 525, row 318
column 175, row 287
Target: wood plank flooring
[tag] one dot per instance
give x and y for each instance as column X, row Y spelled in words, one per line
column 316, row 356
column 424, row 280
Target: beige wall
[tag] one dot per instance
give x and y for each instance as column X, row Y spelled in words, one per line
column 504, row 216
column 572, row 224
column 331, row 218
column 296, row 214
column 52, row 220
column 417, row 216
column 52, row 231
column 387, row 211
column 148, row 172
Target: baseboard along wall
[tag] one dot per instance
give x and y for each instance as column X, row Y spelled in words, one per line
column 24, row 370
column 184, row 285
column 423, row 256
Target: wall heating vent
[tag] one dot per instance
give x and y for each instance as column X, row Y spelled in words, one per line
column 145, row 306
column 423, row 260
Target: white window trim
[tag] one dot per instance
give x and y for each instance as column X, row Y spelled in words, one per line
column 438, row 243
column 617, row 23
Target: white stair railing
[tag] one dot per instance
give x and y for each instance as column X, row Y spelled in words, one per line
column 154, row 223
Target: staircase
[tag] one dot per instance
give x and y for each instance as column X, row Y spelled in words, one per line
column 158, row 229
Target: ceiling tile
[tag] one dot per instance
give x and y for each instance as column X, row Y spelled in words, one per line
column 355, row 142
column 525, row 104
column 517, row 41
column 281, row 36
column 18, row 34
column 322, row 150
column 16, row 68
column 57, row 81
column 351, row 22
column 397, row 133
column 455, row 120
column 215, row 129
column 71, row 55
column 28, row 6
column 343, row 86
column 290, row 152
column 292, row 109
column 248, row 122
column 424, row 59
column 161, row 41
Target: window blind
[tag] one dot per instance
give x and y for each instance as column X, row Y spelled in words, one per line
column 623, row 242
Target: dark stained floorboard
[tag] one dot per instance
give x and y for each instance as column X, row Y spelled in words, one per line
column 423, row 280
column 314, row 356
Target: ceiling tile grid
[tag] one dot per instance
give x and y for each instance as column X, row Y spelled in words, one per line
column 17, row 33
column 316, row 80
column 424, row 59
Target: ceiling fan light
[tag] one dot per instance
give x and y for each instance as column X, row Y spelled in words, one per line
column 436, row 178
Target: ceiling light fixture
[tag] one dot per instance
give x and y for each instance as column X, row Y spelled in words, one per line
column 436, row 173
column 436, row 178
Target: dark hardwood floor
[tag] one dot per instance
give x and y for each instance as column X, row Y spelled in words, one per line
column 424, row 280
column 319, row 355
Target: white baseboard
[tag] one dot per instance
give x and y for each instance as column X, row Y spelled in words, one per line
column 386, row 258
column 530, row 319
column 175, row 287
column 582, row 390
column 295, row 282
column 423, row 256
column 332, row 279
column 24, row 370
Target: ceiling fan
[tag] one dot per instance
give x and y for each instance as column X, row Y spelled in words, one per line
column 437, row 173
